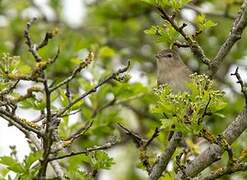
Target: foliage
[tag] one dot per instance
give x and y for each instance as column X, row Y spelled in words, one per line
column 115, row 31
column 186, row 110
column 24, row 170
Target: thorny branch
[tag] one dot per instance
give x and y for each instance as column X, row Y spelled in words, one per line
column 242, row 85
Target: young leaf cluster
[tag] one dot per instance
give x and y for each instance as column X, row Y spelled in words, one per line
column 163, row 33
column 187, row 110
column 174, row 4
column 24, row 170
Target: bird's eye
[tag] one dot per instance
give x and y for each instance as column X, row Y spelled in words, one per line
column 169, row 55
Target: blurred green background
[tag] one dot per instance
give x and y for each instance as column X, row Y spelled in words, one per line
column 114, row 31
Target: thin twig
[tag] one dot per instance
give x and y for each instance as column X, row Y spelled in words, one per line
column 155, row 134
column 137, row 139
column 242, row 85
column 87, row 150
column 93, row 90
column 32, row 47
column 77, row 70
column 195, row 47
column 80, row 132
column 9, row 89
column 226, row 171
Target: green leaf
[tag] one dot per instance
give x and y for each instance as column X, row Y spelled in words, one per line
column 167, row 123
column 106, row 52
column 3, row 172
column 31, row 158
column 102, row 160
column 165, row 33
column 12, row 164
column 34, row 103
column 174, row 4
column 203, row 23
column 184, row 109
column 220, row 115
column 149, row 1
column 153, row 30
column 126, row 90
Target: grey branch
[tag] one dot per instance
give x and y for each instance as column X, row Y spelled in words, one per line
column 160, row 166
column 226, row 170
column 214, row 152
column 242, row 85
column 237, row 29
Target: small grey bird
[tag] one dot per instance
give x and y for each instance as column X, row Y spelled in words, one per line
column 172, row 70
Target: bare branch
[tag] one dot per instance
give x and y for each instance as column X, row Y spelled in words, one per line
column 226, row 171
column 160, row 165
column 138, row 140
column 32, row 47
column 214, row 152
column 77, row 70
column 48, row 36
column 240, row 81
column 20, row 122
column 155, row 134
column 87, row 150
column 93, row 90
column 237, row 29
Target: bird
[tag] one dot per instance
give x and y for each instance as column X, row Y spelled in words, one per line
column 171, row 70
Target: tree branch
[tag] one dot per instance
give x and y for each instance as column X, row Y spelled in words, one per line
column 160, row 165
column 94, row 89
column 237, row 29
column 194, row 46
column 214, row 152
column 86, row 151
column 226, row 171
column 32, row 47
column 240, row 81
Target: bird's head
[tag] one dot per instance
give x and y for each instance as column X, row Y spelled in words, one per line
column 168, row 58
